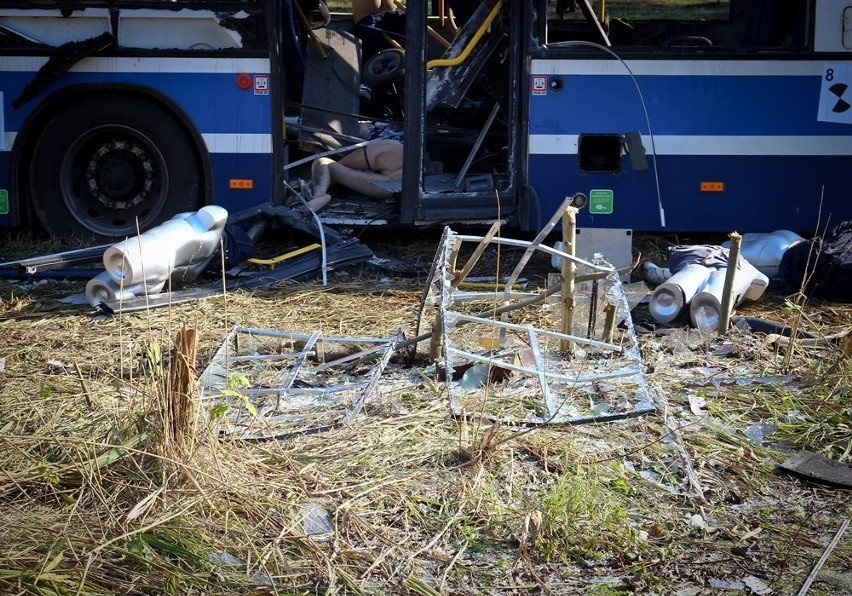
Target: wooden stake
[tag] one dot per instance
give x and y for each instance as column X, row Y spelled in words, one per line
column 569, row 270
column 178, row 406
column 436, row 343
column 609, row 323
column 728, row 290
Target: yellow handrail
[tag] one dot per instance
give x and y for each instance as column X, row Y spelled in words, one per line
column 392, row 42
column 471, row 44
column 275, row 260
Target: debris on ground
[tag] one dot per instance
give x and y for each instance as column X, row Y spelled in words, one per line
column 814, row 466
column 405, row 497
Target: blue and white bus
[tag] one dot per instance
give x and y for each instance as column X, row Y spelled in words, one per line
column 744, row 118
column 731, row 115
column 118, row 114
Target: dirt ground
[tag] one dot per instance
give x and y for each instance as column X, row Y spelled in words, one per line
column 113, row 485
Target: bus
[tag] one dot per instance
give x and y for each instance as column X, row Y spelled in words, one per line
column 680, row 117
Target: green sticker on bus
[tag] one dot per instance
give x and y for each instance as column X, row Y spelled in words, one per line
column 4, row 201
column 600, row 201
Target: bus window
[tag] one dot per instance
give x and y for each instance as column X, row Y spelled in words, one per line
column 690, row 24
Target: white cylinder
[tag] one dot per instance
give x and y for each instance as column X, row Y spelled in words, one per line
column 102, row 288
column 757, row 285
column 184, row 240
column 706, row 306
column 194, row 255
column 669, row 298
column 764, row 251
column 147, row 256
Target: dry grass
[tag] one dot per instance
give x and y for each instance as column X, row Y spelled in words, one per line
column 407, row 500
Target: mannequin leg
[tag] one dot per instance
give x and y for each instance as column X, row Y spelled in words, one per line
column 320, row 181
column 378, row 160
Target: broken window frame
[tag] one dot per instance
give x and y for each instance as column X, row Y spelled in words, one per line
column 442, row 293
column 215, row 387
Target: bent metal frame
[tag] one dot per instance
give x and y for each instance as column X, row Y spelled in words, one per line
column 277, row 384
column 509, row 355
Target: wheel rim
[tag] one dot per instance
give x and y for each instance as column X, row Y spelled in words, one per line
column 112, row 176
column 385, row 65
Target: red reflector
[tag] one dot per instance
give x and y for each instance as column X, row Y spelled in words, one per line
column 240, row 184
column 243, row 81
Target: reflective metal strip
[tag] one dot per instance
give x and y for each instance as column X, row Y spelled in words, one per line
column 679, row 67
column 7, row 141
column 216, row 142
column 238, row 143
column 710, row 145
column 130, row 65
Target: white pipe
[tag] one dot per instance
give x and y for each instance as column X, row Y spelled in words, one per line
column 765, row 251
column 706, row 307
column 102, row 288
column 179, row 248
column 669, row 298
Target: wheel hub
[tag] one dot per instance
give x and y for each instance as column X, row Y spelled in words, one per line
column 120, row 175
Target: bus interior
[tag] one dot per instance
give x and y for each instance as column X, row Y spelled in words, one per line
column 465, row 109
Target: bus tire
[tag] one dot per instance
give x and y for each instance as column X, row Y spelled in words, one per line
column 105, row 162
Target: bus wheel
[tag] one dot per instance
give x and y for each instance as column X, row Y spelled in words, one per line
column 106, row 164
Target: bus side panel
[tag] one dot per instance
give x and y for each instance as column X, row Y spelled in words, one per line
column 732, row 145
column 225, row 101
column 759, row 193
column 5, row 195
column 241, row 180
column 8, row 213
